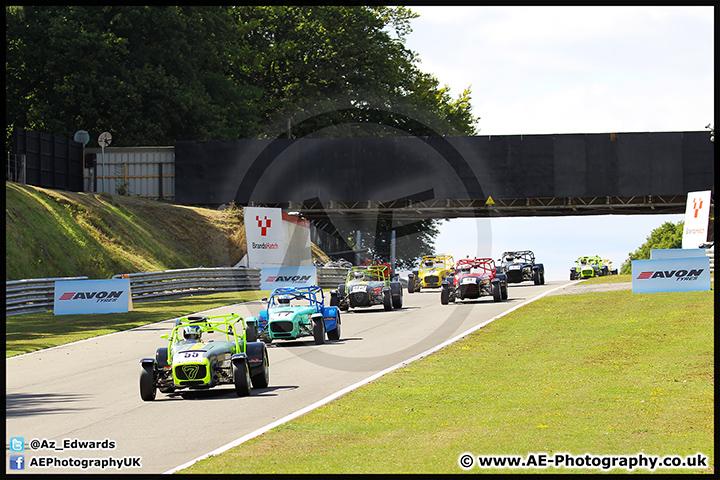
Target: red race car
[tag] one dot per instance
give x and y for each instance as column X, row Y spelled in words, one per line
column 473, row 278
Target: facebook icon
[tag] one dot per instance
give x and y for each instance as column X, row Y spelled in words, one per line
column 17, row 462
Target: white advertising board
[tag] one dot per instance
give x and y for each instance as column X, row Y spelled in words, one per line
column 671, row 275
column 275, row 239
column 92, row 296
column 272, row 278
column 659, row 253
column 265, row 236
column 697, row 213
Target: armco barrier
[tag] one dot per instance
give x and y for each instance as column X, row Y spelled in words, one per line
column 31, row 295
column 331, row 277
column 183, row 282
column 37, row 295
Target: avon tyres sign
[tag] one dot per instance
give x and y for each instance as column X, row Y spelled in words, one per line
column 272, row 278
column 671, row 275
column 92, row 296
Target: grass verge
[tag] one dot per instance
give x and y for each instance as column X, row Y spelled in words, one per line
column 34, row 331
column 601, row 373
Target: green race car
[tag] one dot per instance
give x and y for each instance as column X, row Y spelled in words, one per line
column 586, row 267
column 204, row 352
column 295, row 312
column 368, row 285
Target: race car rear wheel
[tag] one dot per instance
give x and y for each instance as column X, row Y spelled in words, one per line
column 262, row 378
column 241, row 378
column 411, row 283
column 147, row 383
column 536, row 277
column 504, row 292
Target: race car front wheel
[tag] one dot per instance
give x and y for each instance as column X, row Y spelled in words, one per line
column 241, row 378
column 147, row 383
column 497, row 295
column 319, row 331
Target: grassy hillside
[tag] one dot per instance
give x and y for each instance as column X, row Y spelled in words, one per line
column 53, row 233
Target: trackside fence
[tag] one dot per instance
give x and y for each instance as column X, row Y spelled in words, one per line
column 31, row 295
column 190, row 281
column 37, row 295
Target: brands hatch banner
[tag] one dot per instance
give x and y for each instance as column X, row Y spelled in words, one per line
column 92, row 296
column 272, row 278
column 690, row 274
column 275, row 239
column 697, row 213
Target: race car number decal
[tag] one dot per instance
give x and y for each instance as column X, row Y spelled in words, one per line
column 357, row 288
column 469, row 280
column 191, row 354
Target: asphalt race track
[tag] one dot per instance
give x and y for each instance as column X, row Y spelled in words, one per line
column 88, row 391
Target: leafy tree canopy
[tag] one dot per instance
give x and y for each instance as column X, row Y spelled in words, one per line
column 153, row 75
column 667, row 235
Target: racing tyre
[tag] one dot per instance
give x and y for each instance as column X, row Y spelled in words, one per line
column 536, row 277
column 335, row 334
column 504, row 292
column 147, row 383
column 241, row 378
column 397, row 301
column 262, row 378
column 319, row 331
column 250, row 332
column 334, row 299
column 411, row 283
column 387, row 300
column 444, row 295
column 572, row 275
column 497, row 295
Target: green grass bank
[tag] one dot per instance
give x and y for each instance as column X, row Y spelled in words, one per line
column 612, row 373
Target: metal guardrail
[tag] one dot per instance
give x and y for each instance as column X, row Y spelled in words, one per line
column 184, row 282
column 331, row 277
column 31, row 295
column 37, row 295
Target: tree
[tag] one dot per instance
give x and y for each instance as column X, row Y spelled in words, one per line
column 153, row 75
column 667, row 235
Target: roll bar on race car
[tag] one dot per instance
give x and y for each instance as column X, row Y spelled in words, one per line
column 487, row 264
column 381, row 271
column 310, row 293
column 227, row 324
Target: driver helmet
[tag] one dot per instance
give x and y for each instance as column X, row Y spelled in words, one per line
column 358, row 274
column 429, row 263
column 192, row 332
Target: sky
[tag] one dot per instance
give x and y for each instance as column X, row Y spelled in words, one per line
column 557, row 70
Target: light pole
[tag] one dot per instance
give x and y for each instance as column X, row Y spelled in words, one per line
column 104, row 141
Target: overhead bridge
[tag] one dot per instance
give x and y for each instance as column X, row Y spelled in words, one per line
column 447, row 177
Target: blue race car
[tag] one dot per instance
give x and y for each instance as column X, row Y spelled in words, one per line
column 294, row 312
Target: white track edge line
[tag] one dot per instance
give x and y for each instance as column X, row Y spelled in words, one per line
column 345, row 390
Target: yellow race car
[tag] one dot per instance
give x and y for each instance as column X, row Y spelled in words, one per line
column 431, row 272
